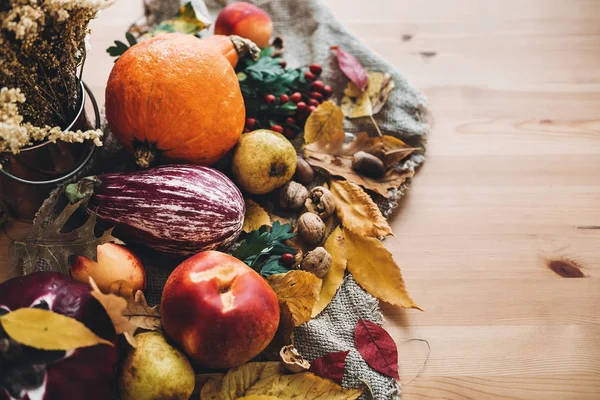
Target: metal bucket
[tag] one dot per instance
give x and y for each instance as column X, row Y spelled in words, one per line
column 27, row 178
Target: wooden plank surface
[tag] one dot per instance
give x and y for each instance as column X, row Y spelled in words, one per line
column 512, row 176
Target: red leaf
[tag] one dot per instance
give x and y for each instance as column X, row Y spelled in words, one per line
column 330, row 366
column 377, row 348
column 352, row 68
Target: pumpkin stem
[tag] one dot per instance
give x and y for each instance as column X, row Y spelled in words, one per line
column 245, row 47
column 144, row 156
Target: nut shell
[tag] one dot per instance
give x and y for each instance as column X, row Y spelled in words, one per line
column 293, row 195
column 311, row 228
column 321, row 202
column 317, row 262
column 304, row 172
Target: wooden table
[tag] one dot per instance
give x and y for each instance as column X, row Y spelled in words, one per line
column 511, row 182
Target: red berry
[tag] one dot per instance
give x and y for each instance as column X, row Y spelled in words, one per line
column 309, row 76
column 301, row 106
column 250, row 122
column 311, row 109
column 313, row 102
column 282, row 63
column 327, row 91
column 270, row 99
column 277, row 128
column 317, row 86
column 288, row 259
column 289, row 133
column 296, row 97
column 246, row 130
column 315, row 69
column 290, row 121
column 316, row 95
column 284, row 98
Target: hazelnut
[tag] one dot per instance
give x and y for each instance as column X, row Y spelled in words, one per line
column 317, row 262
column 321, row 202
column 293, row 195
column 368, row 165
column 304, row 172
column 293, row 360
column 311, row 228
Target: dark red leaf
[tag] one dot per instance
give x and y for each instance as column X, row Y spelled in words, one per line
column 377, row 348
column 352, row 68
column 330, row 366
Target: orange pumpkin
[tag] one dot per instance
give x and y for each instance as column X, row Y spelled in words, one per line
column 177, row 98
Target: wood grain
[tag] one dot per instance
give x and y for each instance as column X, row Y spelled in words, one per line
column 513, row 170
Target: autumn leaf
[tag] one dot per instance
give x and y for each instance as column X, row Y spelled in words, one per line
column 358, row 103
column 352, row 68
column 357, row 211
column 326, row 126
column 377, row 348
column 141, row 315
column 255, row 217
column 47, row 330
column 330, row 366
column 336, row 246
column 268, row 379
column 189, row 20
column 373, row 268
column 299, row 290
column 284, row 336
column 259, row 397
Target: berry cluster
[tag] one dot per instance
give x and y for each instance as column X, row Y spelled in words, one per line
column 280, row 99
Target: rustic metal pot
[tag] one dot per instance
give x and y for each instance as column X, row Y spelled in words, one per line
column 27, row 178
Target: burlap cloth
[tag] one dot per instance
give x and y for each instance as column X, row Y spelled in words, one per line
column 310, row 29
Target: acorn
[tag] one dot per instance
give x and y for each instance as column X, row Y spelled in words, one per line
column 368, row 165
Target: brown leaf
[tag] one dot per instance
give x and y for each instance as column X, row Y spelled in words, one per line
column 357, row 211
column 299, row 290
column 373, row 268
column 284, row 335
column 336, row 246
column 114, row 306
column 356, row 104
column 324, row 125
column 257, row 380
column 141, row 315
column 47, row 330
column 255, row 217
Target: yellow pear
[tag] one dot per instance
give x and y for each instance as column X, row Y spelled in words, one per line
column 263, row 161
column 156, row 370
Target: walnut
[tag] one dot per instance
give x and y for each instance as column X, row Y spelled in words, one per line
column 311, row 228
column 321, row 202
column 292, row 360
column 293, row 195
column 317, row 262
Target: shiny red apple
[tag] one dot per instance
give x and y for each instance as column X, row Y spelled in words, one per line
column 220, row 311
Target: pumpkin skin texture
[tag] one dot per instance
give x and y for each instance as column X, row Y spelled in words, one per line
column 175, row 98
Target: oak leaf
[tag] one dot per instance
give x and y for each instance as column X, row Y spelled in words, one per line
column 255, row 217
column 336, row 246
column 268, row 379
column 47, row 330
column 357, row 103
column 377, row 348
column 325, row 125
column 374, row 269
column 298, row 290
column 357, row 211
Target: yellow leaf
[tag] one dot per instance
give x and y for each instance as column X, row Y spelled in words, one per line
column 324, row 125
column 356, row 104
column 357, row 211
column 255, row 217
column 373, row 268
column 267, row 380
column 299, row 290
column 47, row 330
column 128, row 313
column 336, row 246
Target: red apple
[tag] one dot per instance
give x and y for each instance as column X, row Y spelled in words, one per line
column 115, row 263
column 220, row 311
column 245, row 20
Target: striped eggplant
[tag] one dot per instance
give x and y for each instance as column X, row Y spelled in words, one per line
column 175, row 209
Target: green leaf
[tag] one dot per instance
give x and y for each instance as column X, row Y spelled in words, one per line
column 289, row 106
column 118, row 49
column 130, row 39
column 281, row 232
column 272, row 267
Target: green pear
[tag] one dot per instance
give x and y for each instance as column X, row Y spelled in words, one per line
column 156, row 370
